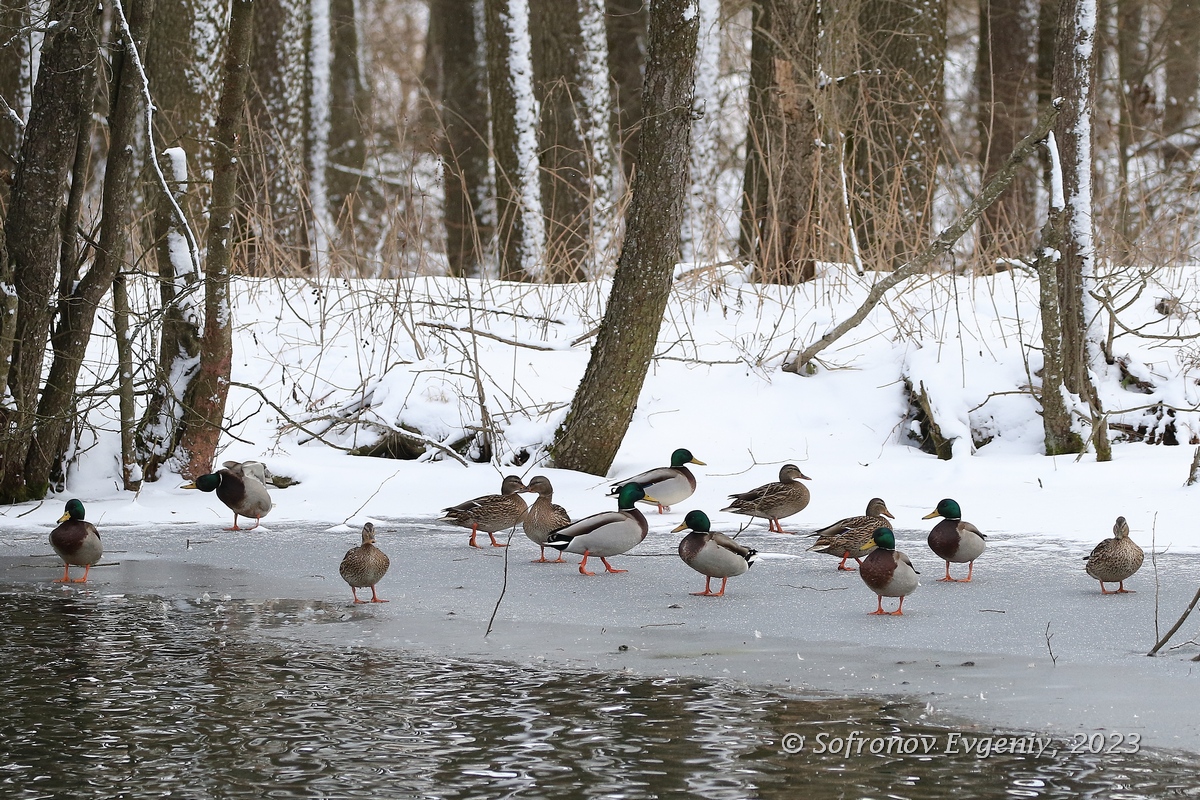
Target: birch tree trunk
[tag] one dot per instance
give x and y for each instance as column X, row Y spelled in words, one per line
column 604, row 403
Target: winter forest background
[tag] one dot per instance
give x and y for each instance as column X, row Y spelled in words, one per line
column 161, row 156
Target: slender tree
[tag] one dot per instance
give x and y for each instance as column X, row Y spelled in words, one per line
column 464, row 140
column 16, row 82
column 520, row 229
column 569, row 50
column 79, row 301
column 626, row 30
column 204, row 403
column 62, row 95
column 1005, row 76
column 605, row 400
column 1182, row 76
column 781, row 184
column 1074, row 81
column 897, row 135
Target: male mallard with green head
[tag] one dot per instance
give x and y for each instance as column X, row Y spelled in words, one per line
column 543, row 517
column 364, row 566
column 847, row 537
column 774, row 501
column 712, row 554
column 490, row 513
column 606, row 534
column 670, row 485
column 77, row 542
column 955, row 540
column 886, row 571
column 241, row 493
column 1116, row 559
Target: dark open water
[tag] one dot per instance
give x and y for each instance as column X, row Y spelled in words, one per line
column 138, row 698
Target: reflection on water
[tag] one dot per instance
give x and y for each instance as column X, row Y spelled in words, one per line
column 139, row 698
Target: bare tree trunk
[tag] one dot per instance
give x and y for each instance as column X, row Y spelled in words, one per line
column 1182, row 63
column 1059, row 433
column 131, row 473
column 464, row 142
column 1074, row 80
column 179, row 332
column 626, row 31
column 1136, row 102
column 274, row 192
column 520, row 231
column 1006, row 79
column 56, row 411
column 600, row 414
column 63, row 94
column 349, row 108
column 897, row 139
column 15, row 82
column 205, row 400
column 570, row 177
column 782, row 178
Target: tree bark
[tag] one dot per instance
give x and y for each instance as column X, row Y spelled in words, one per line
column 16, row 84
column 274, row 192
column 179, row 333
column 350, row 106
column 1006, row 81
column 626, row 30
column 205, row 399
column 1182, row 68
column 780, row 216
column 63, row 94
column 897, row 139
column 1074, row 80
column 573, row 180
column 604, row 403
column 77, row 308
column 520, row 232
column 464, row 141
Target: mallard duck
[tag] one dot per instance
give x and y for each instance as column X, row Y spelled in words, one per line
column 543, row 517
column 490, row 513
column 76, row 542
column 955, row 540
column 243, row 494
column 774, row 501
column 886, row 571
column 1115, row 559
column 712, row 554
column 670, row 485
column 606, row 534
column 847, row 537
column 364, row 566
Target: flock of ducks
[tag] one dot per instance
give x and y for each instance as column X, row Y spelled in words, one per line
column 884, row 569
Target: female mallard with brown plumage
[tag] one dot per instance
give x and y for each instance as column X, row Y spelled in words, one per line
column 774, row 501
column 955, row 540
column 242, row 493
column 669, row 485
column 847, row 537
column 886, row 571
column 364, row 566
column 1116, row 559
column 606, row 534
column 490, row 513
column 712, row 554
column 77, row 542
column 543, row 517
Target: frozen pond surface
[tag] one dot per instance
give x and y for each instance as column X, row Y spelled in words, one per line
column 193, row 642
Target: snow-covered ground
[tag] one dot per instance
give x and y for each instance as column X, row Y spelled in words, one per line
column 716, row 388
column 422, row 352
